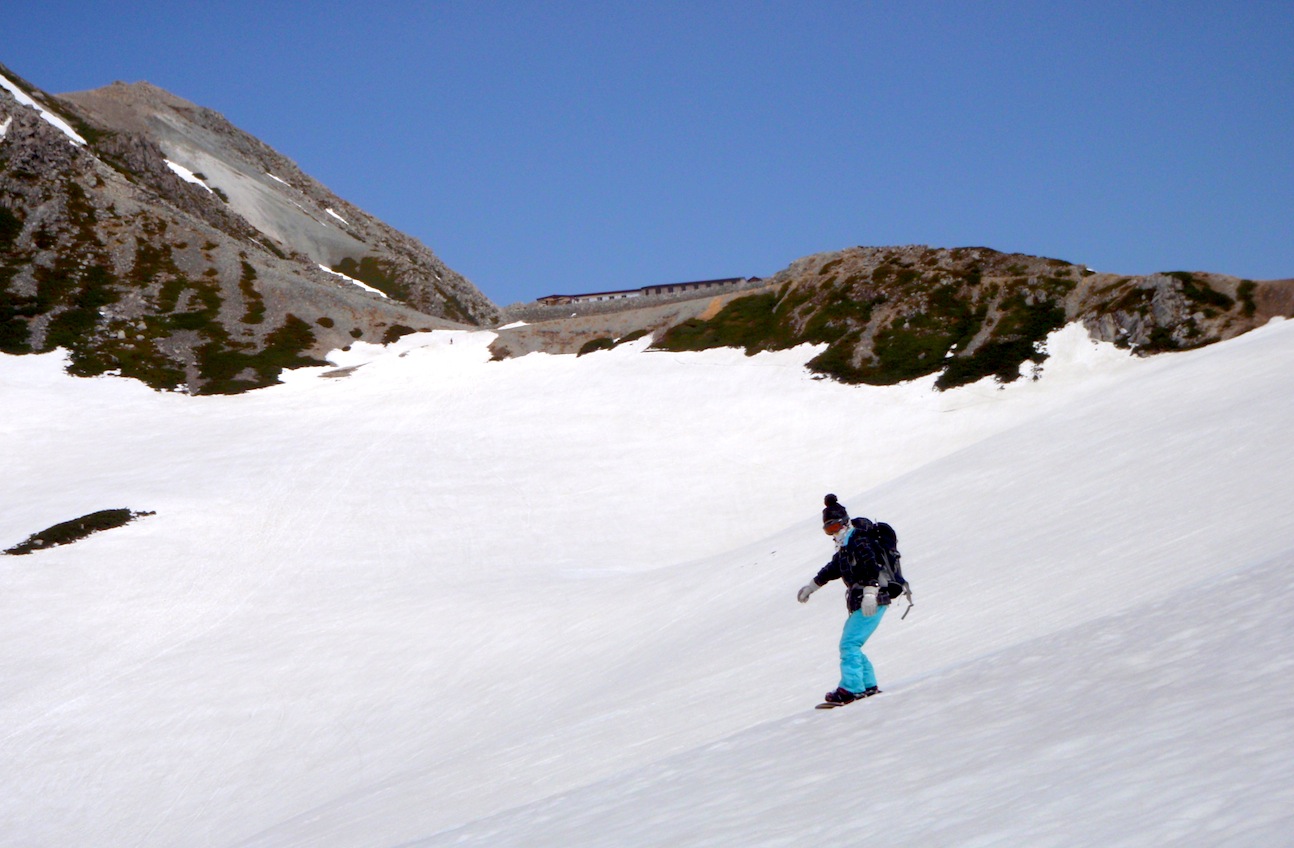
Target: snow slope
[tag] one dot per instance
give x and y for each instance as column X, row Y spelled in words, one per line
column 550, row 601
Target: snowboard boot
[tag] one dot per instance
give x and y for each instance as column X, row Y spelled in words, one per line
column 844, row 696
column 841, row 696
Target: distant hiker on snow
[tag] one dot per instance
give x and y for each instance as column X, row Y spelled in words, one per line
column 857, row 564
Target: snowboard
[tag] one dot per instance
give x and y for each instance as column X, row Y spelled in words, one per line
column 831, row 705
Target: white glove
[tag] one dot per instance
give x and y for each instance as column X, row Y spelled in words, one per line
column 868, row 606
column 806, row 590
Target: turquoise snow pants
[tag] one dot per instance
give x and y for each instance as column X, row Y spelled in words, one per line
column 856, row 672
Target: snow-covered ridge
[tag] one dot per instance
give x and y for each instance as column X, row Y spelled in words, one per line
column 49, row 117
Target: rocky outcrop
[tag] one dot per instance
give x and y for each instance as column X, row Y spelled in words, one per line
column 158, row 241
column 888, row 314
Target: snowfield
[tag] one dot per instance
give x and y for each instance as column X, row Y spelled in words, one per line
column 550, row 601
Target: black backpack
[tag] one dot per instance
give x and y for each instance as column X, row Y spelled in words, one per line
column 885, row 545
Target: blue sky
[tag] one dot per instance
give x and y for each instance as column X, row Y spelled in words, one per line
column 577, row 146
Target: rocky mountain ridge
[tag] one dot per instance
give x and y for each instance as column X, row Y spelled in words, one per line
column 895, row 313
column 888, row 314
column 152, row 238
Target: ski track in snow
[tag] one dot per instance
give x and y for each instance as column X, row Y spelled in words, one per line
column 447, row 601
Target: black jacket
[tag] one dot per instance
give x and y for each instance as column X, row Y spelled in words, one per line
column 856, row 565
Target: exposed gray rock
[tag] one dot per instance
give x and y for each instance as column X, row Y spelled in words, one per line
column 276, row 197
column 175, row 248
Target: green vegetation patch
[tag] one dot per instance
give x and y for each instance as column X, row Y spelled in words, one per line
column 222, row 364
column 838, row 312
column 838, row 359
column 73, row 327
column 1246, row 295
column 377, row 273
column 932, row 316
column 916, row 344
column 10, row 227
column 179, row 332
column 915, row 347
column 15, row 315
column 15, row 310
column 67, row 532
column 254, row 309
column 395, row 332
column 607, row 343
column 751, row 322
column 630, row 337
column 601, row 343
column 1201, row 293
column 1162, row 340
column 895, row 277
column 1016, row 338
column 835, row 315
column 72, row 291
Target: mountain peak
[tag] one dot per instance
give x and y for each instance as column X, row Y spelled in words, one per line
column 174, row 247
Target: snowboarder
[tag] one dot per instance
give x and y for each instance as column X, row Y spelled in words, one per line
column 855, row 563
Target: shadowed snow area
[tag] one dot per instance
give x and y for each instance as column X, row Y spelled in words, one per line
column 550, row 601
